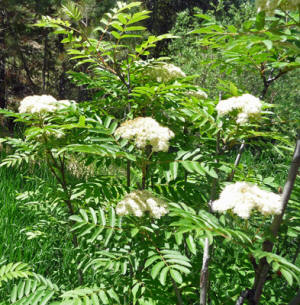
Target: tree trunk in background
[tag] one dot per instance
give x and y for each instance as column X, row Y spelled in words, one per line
column 62, row 83
column 2, row 59
column 62, row 77
column 45, row 63
column 164, row 14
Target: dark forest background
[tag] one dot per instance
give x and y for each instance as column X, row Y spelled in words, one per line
column 33, row 61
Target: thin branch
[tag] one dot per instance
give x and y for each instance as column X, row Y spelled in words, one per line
column 144, row 175
column 128, row 165
column 62, row 180
column 237, row 161
column 280, row 73
column 245, row 295
column 128, row 173
column 177, row 292
column 268, row 81
column 265, row 81
column 204, row 276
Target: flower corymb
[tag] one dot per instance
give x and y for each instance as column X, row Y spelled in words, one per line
column 138, row 202
column 146, row 131
column 42, row 103
column 247, row 106
column 243, row 197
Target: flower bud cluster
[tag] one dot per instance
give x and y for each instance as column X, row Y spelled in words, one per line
column 243, row 197
column 138, row 202
column 42, row 103
column 146, row 131
column 165, row 73
column 269, row 6
column 247, row 106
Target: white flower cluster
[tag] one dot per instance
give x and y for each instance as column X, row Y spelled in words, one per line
column 165, row 73
column 200, row 94
column 146, row 131
column 243, row 197
column 246, row 104
column 269, row 6
column 138, row 202
column 42, row 103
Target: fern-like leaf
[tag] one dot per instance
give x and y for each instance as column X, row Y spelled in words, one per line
column 13, row 271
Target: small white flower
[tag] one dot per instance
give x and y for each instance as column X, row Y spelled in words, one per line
column 41, row 104
column 37, row 104
column 243, row 197
column 226, row 106
column 242, row 118
column 138, row 202
column 246, row 105
column 121, row 209
column 146, row 131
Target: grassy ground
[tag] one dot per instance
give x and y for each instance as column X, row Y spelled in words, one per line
column 17, row 219
column 13, row 243
column 51, row 254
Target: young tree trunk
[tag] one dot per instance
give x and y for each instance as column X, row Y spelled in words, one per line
column 204, row 282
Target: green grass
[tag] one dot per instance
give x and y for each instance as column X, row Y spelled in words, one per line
column 14, row 244
column 53, row 255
